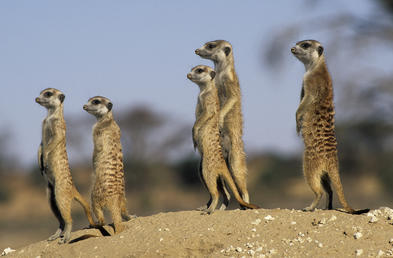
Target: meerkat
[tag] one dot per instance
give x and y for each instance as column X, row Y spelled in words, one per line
column 206, row 138
column 108, row 178
column 53, row 163
column 315, row 121
column 230, row 117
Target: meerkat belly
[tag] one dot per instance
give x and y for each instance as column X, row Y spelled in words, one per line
column 109, row 179
column 319, row 134
column 210, row 144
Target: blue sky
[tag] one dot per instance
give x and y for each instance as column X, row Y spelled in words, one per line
column 136, row 52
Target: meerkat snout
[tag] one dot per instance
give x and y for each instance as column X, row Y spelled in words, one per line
column 293, row 50
column 197, row 51
column 189, row 76
column 84, row 107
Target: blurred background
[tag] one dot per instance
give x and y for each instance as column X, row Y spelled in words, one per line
column 138, row 54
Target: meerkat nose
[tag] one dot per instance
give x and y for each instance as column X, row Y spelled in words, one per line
column 197, row 51
column 293, row 50
column 85, row 107
column 37, row 100
column 189, row 76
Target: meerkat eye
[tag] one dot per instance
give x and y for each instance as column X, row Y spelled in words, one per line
column 211, row 46
column 305, row 45
column 95, row 102
column 199, row 70
column 48, row 94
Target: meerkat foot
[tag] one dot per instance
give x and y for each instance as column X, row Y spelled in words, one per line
column 308, row 209
column 56, row 235
column 202, row 208
column 128, row 217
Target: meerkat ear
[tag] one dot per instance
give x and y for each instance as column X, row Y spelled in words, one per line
column 109, row 106
column 227, row 50
column 61, row 97
column 320, row 50
column 212, row 74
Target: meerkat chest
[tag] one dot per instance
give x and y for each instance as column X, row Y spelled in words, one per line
column 47, row 131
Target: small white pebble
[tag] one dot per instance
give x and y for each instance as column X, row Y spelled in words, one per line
column 359, row 252
column 391, row 241
column 259, row 249
column 256, row 212
column 22, row 251
column 322, row 221
column 223, row 250
column 320, row 245
column 96, row 247
column 293, row 223
column 239, row 249
column 268, row 218
column 159, row 229
column 161, row 239
column 357, row 235
column 254, row 230
column 166, row 229
column 251, row 252
column 256, row 222
column 373, row 220
column 121, row 236
column 333, row 218
column 380, row 253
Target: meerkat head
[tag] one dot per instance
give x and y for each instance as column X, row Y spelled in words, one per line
column 98, row 106
column 217, row 51
column 308, row 51
column 50, row 98
column 201, row 74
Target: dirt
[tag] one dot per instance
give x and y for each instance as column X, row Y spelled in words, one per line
column 234, row 233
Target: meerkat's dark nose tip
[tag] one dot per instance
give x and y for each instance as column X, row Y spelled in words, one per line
column 293, row 50
column 85, row 107
column 197, row 51
column 189, row 76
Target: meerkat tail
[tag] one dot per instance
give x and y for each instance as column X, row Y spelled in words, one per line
column 228, row 179
column 84, row 204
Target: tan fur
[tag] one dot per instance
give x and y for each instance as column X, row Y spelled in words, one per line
column 230, row 118
column 108, row 179
column 53, row 163
column 206, row 138
column 315, row 121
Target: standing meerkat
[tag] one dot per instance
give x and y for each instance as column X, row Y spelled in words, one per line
column 108, row 180
column 230, row 117
column 315, row 121
column 206, row 138
column 53, row 163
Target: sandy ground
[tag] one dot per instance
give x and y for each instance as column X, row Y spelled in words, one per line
column 235, row 233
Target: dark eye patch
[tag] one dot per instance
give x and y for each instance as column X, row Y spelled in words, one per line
column 48, row 94
column 96, row 102
column 211, row 46
column 305, row 45
column 199, row 70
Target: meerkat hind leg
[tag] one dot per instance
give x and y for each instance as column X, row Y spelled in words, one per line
column 325, row 180
column 238, row 169
column 65, row 211
column 56, row 212
column 98, row 212
column 115, row 211
column 213, row 190
column 316, row 187
column 225, row 194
